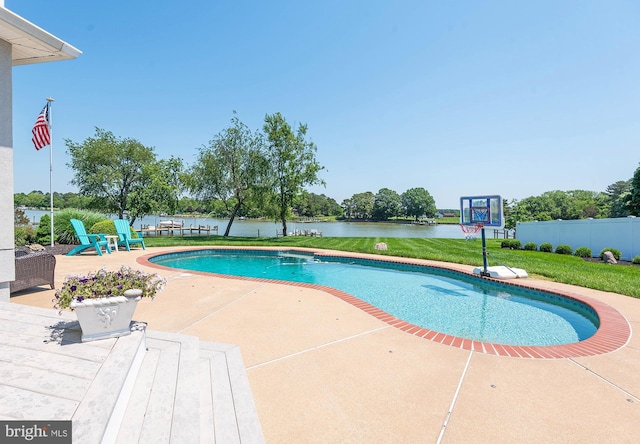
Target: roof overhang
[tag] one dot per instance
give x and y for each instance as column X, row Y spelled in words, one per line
column 31, row 44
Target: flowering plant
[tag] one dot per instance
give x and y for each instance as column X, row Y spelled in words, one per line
column 103, row 283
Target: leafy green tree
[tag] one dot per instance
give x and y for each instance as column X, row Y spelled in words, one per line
column 37, row 199
column 386, row 204
column 616, row 198
column 359, row 206
column 347, row 208
column 74, row 200
column 417, row 202
column 110, row 170
column 329, row 206
column 311, row 205
column 515, row 212
column 633, row 198
column 163, row 185
column 19, row 199
column 567, row 205
column 292, row 163
column 586, row 204
column 230, row 169
column 188, row 204
column 58, row 200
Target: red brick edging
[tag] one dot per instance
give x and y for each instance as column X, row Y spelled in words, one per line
column 614, row 331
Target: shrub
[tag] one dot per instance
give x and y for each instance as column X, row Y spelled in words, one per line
column 103, row 227
column 62, row 228
column 513, row 244
column 546, row 247
column 43, row 233
column 636, row 260
column 530, row 246
column 564, row 249
column 584, row 252
column 616, row 253
column 23, row 235
column 19, row 218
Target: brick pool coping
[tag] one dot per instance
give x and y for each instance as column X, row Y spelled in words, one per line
column 614, row 331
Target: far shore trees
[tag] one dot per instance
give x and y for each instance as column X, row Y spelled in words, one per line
column 312, row 205
column 292, row 164
column 417, row 202
column 232, row 168
column 359, row 206
column 386, row 204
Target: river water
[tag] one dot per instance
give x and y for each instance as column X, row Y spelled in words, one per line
column 262, row 228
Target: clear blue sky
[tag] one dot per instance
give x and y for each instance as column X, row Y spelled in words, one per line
column 458, row 97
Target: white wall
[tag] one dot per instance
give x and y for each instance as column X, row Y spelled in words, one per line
column 597, row 234
column 7, row 261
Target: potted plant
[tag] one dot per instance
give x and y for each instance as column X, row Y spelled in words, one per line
column 104, row 301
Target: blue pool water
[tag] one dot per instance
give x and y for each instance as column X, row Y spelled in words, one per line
column 439, row 300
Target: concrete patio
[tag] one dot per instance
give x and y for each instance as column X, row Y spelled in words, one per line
column 323, row 371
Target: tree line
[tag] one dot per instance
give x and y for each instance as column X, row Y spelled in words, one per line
column 240, row 172
column 263, row 173
column 620, row 199
column 387, row 204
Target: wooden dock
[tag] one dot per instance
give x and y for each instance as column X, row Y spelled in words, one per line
column 177, row 228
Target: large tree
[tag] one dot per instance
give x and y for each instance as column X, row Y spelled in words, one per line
column 616, row 194
column 163, row 185
column 109, row 169
column 292, row 163
column 417, row 202
column 359, row 206
column 633, row 198
column 232, row 168
column 386, row 204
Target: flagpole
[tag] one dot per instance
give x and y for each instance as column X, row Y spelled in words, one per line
column 49, row 101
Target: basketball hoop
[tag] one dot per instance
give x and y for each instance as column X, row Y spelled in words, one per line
column 470, row 230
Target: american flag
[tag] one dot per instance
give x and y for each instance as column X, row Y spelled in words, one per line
column 41, row 134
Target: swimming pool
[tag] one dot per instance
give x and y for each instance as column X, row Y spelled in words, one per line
column 440, row 300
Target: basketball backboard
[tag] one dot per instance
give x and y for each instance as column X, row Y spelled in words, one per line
column 482, row 210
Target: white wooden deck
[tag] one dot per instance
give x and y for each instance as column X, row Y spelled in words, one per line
column 148, row 387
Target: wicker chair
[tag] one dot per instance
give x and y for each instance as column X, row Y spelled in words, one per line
column 33, row 268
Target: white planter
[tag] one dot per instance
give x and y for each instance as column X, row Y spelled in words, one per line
column 109, row 317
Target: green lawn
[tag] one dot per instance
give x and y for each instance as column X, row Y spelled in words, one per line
column 560, row 268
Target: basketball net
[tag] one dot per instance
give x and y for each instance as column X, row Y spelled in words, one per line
column 470, row 231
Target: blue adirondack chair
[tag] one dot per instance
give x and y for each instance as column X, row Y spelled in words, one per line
column 96, row 241
column 124, row 231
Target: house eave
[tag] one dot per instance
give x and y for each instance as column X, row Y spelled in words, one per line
column 30, row 43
